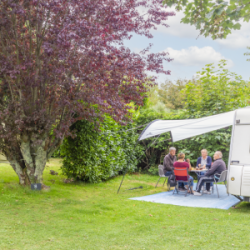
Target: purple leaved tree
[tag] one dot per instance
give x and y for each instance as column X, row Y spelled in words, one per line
column 64, row 60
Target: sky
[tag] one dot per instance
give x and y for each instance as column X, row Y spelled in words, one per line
column 190, row 54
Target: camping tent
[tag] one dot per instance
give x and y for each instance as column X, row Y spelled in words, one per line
column 182, row 129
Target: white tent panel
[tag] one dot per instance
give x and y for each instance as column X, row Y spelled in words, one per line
column 182, row 129
column 158, row 127
column 203, row 125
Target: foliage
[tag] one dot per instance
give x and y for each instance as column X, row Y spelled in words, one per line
column 216, row 91
column 166, row 97
column 57, row 153
column 170, row 93
column 64, row 60
column 100, row 219
column 216, row 18
column 96, row 156
column 154, row 101
column 247, row 54
column 153, row 170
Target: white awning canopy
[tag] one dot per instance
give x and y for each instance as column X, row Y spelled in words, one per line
column 182, row 129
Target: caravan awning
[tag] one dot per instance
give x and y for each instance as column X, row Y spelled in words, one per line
column 182, row 129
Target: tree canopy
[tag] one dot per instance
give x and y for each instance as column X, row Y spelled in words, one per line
column 216, row 18
column 170, row 93
column 215, row 91
column 64, row 60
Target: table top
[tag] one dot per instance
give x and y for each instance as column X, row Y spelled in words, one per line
column 197, row 170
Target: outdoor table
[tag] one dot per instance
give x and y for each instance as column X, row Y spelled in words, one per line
column 198, row 171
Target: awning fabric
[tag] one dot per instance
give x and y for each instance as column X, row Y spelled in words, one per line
column 182, row 129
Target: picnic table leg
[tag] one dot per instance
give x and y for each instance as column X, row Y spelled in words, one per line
column 197, row 174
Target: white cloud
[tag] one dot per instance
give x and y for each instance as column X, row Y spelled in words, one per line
column 176, row 28
column 194, row 56
column 238, row 38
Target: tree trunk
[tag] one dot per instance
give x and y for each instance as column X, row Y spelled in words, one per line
column 40, row 162
column 28, row 160
column 21, row 173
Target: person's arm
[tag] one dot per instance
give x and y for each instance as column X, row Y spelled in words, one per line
column 209, row 161
column 164, row 161
column 212, row 170
column 166, row 164
column 189, row 164
column 198, row 162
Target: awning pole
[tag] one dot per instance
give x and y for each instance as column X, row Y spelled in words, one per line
column 138, row 160
column 125, row 171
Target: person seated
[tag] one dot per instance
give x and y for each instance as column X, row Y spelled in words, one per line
column 217, row 168
column 204, row 161
column 182, row 164
column 168, row 162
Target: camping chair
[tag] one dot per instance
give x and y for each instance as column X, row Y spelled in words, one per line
column 222, row 178
column 181, row 175
column 161, row 175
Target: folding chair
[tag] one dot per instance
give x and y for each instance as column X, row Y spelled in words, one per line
column 161, row 175
column 181, row 175
column 222, row 178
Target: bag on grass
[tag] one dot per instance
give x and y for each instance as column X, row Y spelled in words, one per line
column 171, row 181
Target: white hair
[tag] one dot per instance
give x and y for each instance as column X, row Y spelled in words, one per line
column 204, row 150
column 220, row 155
column 172, row 148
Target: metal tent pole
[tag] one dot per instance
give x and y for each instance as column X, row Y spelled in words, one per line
column 138, row 160
column 125, row 171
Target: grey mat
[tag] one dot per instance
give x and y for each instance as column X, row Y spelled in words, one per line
column 206, row 200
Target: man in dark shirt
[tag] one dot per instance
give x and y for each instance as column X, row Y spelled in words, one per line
column 217, row 168
column 169, row 161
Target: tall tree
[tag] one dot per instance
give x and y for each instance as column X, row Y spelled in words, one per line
column 64, row 60
column 215, row 18
column 215, row 91
column 170, row 93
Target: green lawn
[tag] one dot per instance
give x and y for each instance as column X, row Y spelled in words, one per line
column 92, row 216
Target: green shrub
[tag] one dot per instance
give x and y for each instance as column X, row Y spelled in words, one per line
column 95, row 156
column 57, row 153
column 153, row 170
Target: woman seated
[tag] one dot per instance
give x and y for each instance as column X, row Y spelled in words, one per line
column 204, row 161
column 182, row 164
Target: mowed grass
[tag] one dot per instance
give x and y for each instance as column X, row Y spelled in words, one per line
column 93, row 216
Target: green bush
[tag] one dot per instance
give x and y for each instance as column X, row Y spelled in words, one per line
column 57, row 153
column 215, row 92
column 153, row 170
column 95, row 156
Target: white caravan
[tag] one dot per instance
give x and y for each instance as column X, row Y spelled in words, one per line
column 238, row 178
